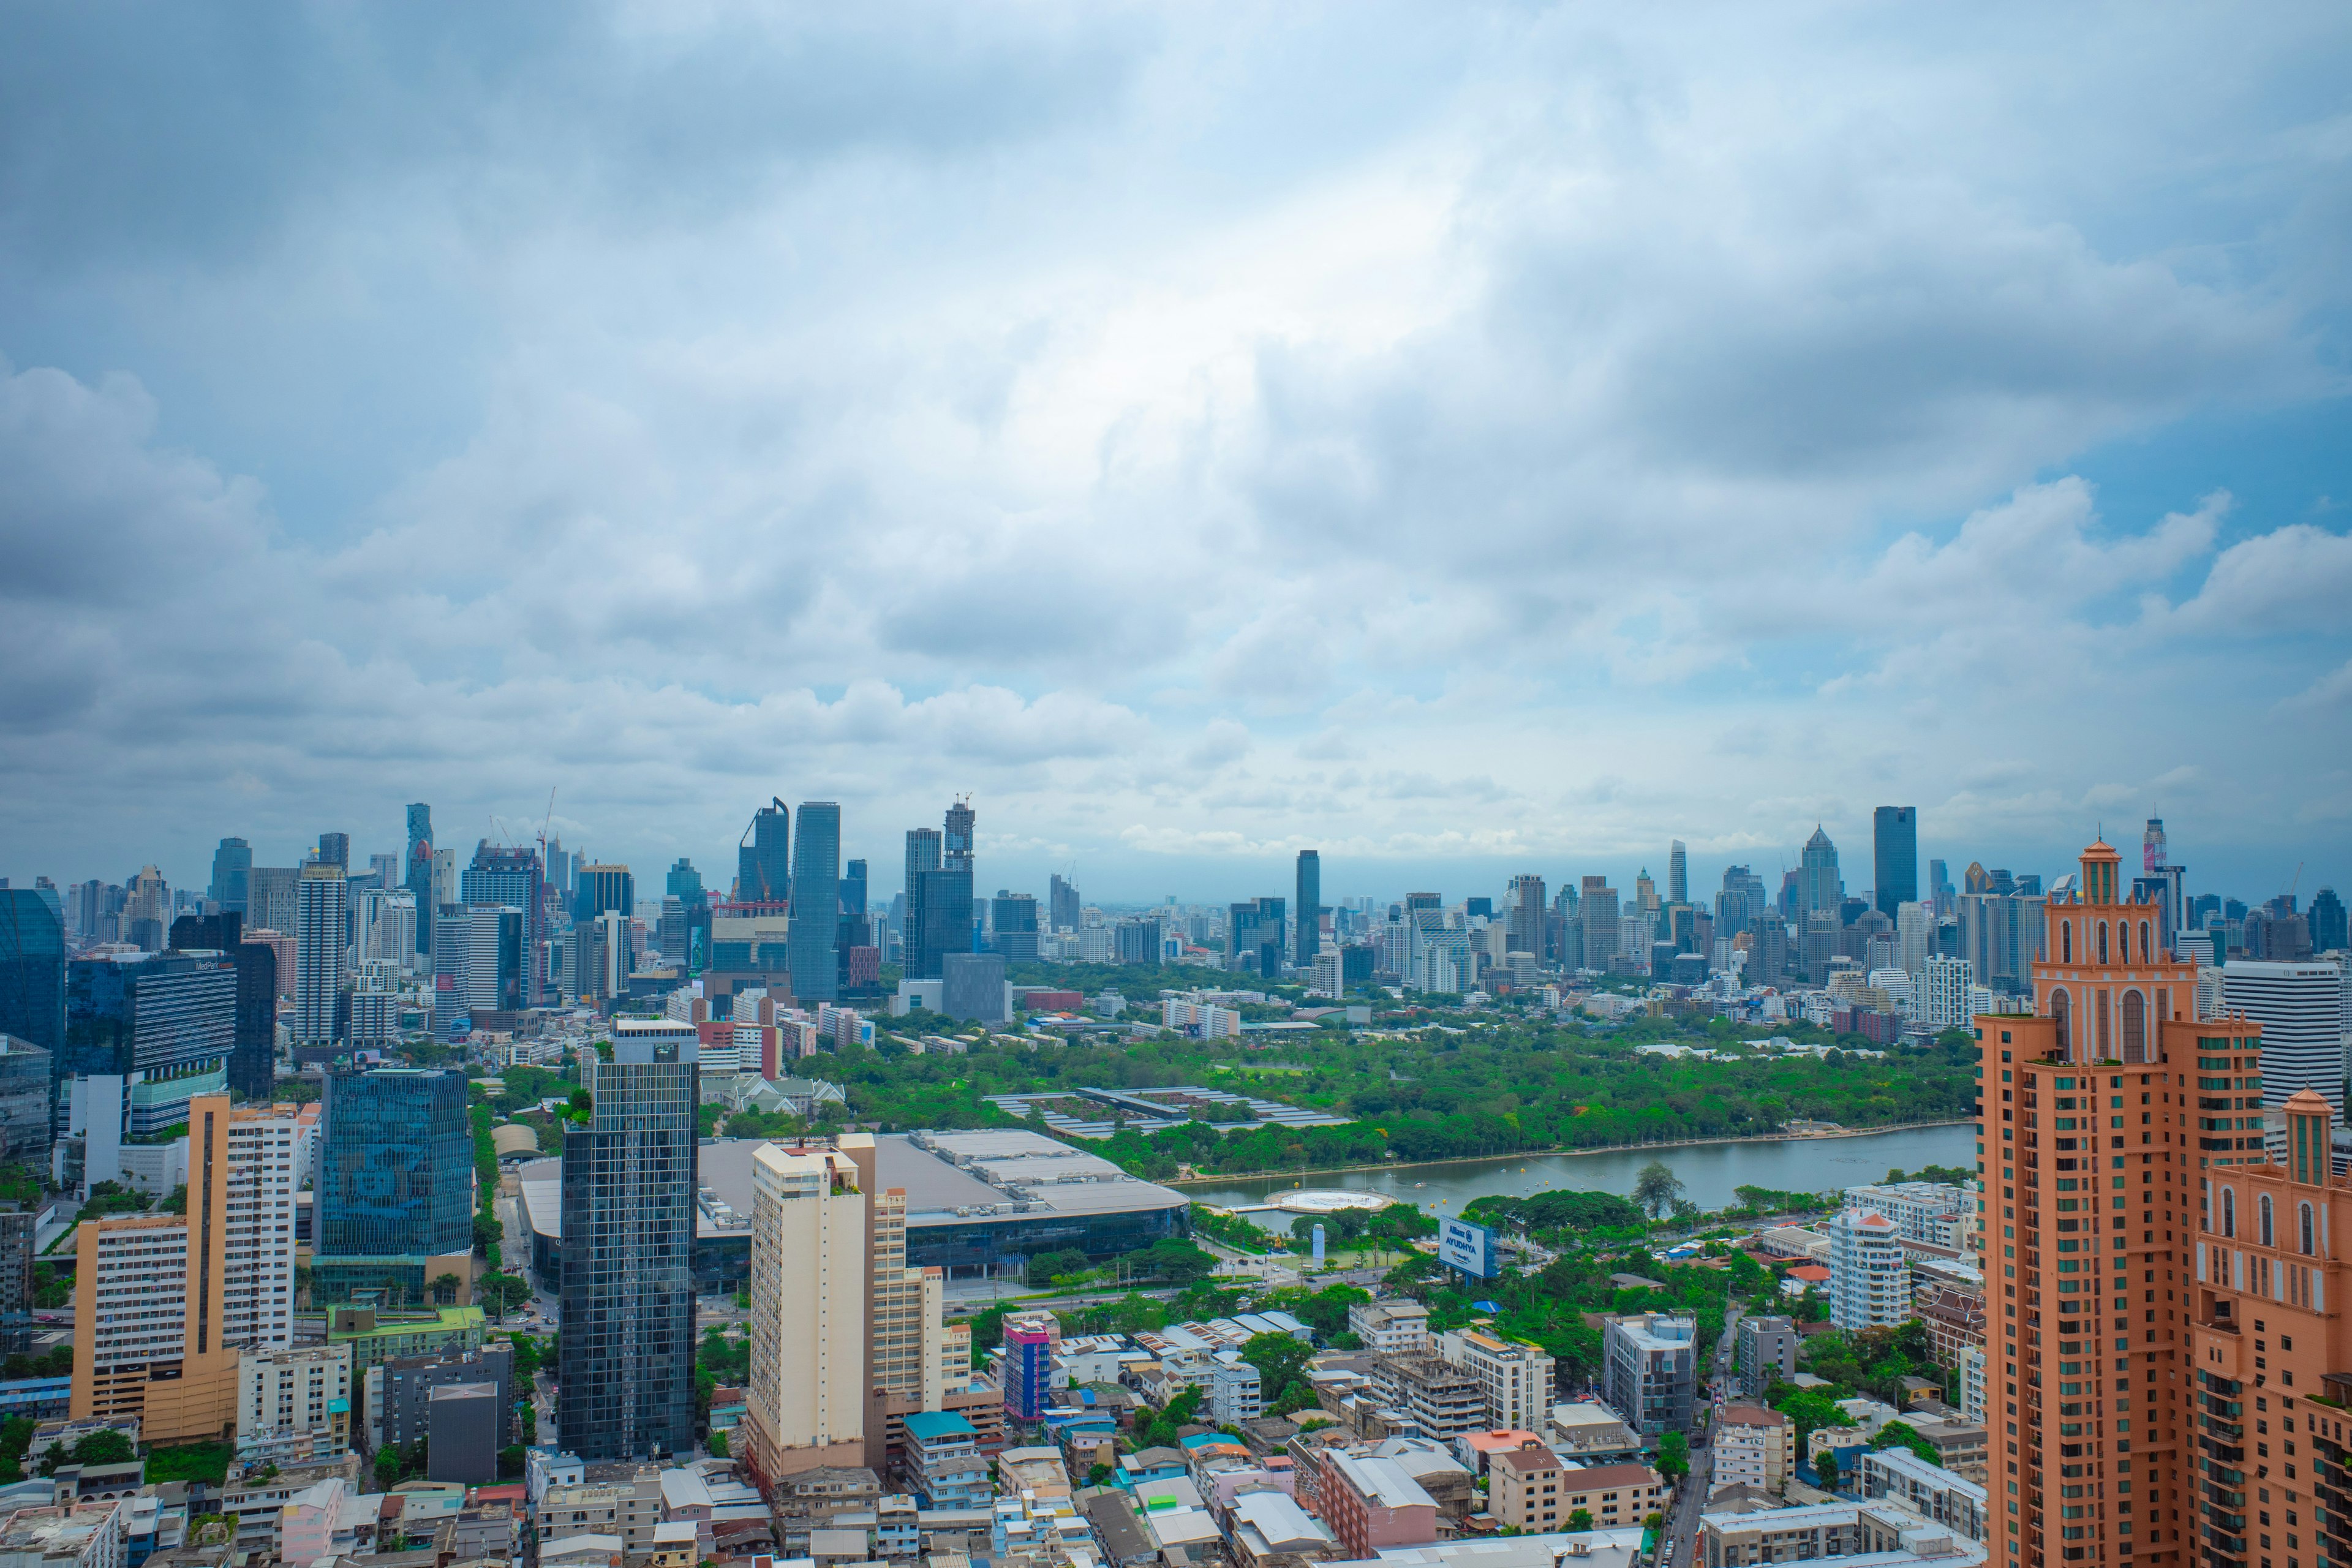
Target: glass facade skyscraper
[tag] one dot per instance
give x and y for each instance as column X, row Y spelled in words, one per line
column 1310, row 941
column 627, row 1356
column 420, row 871
column 514, row 878
column 763, row 864
column 395, row 1171
column 816, row 901
column 32, row 969
column 252, row 1060
column 1893, row 857
column 232, row 865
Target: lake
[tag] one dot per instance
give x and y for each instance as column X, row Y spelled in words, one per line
column 1708, row 1171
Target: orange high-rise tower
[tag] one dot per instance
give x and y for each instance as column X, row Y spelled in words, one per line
column 2084, row 1158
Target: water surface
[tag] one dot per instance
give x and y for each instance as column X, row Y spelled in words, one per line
column 1708, row 1171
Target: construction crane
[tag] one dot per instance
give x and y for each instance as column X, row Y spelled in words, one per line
column 545, row 824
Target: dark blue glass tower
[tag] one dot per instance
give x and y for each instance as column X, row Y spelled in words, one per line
column 395, row 1172
column 232, row 867
column 816, row 901
column 1894, row 857
column 32, row 969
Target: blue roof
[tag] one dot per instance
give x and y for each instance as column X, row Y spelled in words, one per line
column 927, row 1424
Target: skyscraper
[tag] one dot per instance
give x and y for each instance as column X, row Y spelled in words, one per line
column 805, row 1405
column 1255, row 930
column 321, row 959
column 335, row 849
column 232, row 863
column 962, row 828
column 1013, row 927
column 1893, row 857
column 252, row 1058
column 602, row 888
column 1677, row 873
column 1741, row 900
column 395, row 1165
column 2071, row 1175
column 1062, row 904
column 1598, row 905
column 1820, row 891
column 816, row 902
column 1939, row 887
column 853, row 889
column 629, row 1180
column 1524, row 911
column 514, row 878
column 1310, row 906
column 763, row 862
column 684, row 883
column 420, row 871
column 2299, row 1003
column 32, row 970
column 922, row 857
column 2328, row 922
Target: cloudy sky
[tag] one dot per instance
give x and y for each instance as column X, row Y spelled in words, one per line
column 1469, row 440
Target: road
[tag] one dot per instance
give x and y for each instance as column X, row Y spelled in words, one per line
column 1690, row 1497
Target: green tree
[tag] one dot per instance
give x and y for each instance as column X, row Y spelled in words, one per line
column 1826, row 1469
column 1280, row 1360
column 1673, row 1456
column 1179, row 1261
column 717, row 1444
column 1656, row 1188
column 1580, row 1520
column 1100, row 1475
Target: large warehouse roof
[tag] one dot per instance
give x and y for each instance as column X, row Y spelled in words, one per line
column 950, row 1178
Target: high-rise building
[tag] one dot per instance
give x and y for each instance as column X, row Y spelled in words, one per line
column 2328, row 922
column 1820, row 891
column 1649, row 1371
column 514, row 878
column 1945, row 997
column 943, row 896
column 853, row 889
column 419, row 871
column 805, row 1405
column 32, row 969
column 1597, row 902
column 1741, row 900
column 2071, row 1175
column 490, row 962
column 685, row 883
column 1309, row 908
column 1525, row 907
column 147, row 910
column 1062, row 905
column 321, row 954
column 601, row 889
column 922, row 858
column 1939, row 887
column 1893, row 857
column 1677, row 873
column 166, row 1303
column 1915, row 937
column 1013, row 927
column 2300, row 1007
column 629, row 1210
column 252, row 1060
column 395, row 1166
column 1869, row 1278
column 962, row 828
column 232, row 864
column 763, row 860
column 1256, row 932
column 816, row 902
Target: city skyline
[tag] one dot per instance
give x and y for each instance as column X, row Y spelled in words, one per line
column 1359, row 875
column 1546, row 435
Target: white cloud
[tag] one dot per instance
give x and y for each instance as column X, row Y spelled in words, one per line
column 1586, row 427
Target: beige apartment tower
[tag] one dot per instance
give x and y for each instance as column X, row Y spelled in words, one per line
column 166, row 1303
